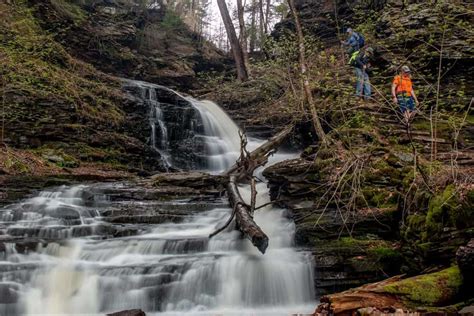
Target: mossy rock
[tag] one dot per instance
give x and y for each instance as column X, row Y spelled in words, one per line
column 449, row 209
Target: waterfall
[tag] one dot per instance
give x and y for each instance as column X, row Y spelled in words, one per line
column 209, row 133
column 75, row 260
column 221, row 136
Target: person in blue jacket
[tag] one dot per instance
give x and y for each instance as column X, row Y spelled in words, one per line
column 353, row 42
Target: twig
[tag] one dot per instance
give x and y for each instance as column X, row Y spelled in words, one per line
column 234, row 210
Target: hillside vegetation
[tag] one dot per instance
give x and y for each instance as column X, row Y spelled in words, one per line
column 385, row 197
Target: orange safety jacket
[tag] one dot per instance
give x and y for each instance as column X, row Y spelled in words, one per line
column 403, row 85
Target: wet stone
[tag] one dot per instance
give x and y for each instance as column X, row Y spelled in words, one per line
column 9, row 292
column 130, row 312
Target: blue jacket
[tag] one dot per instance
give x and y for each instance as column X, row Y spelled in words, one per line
column 353, row 41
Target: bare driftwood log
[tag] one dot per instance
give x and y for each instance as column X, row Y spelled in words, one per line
column 243, row 170
column 244, row 217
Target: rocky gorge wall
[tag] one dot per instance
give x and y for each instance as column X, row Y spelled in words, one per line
column 130, row 40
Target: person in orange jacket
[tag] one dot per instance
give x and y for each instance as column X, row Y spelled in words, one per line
column 403, row 93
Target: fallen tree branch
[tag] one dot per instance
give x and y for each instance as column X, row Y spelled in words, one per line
column 244, row 169
column 243, row 217
column 259, row 155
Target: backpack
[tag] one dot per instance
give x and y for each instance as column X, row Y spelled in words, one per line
column 360, row 39
column 354, row 57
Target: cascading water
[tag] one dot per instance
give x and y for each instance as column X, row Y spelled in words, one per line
column 64, row 255
column 208, row 135
column 221, row 136
column 156, row 120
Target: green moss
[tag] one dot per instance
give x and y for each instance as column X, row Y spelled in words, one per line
column 69, row 10
column 384, row 198
column 443, row 210
column 385, row 254
column 360, row 120
column 172, row 22
column 442, row 128
column 364, row 244
column 39, row 69
column 381, row 171
column 434, row 289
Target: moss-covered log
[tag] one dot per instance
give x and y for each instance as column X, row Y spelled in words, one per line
column 428, row 290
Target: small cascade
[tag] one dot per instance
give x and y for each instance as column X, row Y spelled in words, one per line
column 160, row 133
column 170, row 268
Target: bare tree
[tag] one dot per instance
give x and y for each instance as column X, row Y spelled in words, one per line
column 267, row 16
column 234, row 41
column 262, row 23
column 253, row 37
column 304, row 68
column 243, row 34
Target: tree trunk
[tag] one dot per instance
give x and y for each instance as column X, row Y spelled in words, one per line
column 234, row 41
column 262, row 24
column 307, row 89
column 253, row 27
column 243, row 35
column 267, row 17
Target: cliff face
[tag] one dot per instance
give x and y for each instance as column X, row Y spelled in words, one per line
column 128, row 40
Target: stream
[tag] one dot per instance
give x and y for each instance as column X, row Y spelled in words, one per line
column 70, row 250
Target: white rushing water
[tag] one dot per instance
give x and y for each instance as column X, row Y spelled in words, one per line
column 166, row 269
column 157, row 120
column 221, row 135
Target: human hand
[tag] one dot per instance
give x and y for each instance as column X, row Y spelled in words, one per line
column 417, row 103
column 395, row 100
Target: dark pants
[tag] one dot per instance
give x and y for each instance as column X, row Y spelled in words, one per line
column 406, row 103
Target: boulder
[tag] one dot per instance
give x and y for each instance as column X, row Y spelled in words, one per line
column 465, row 260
